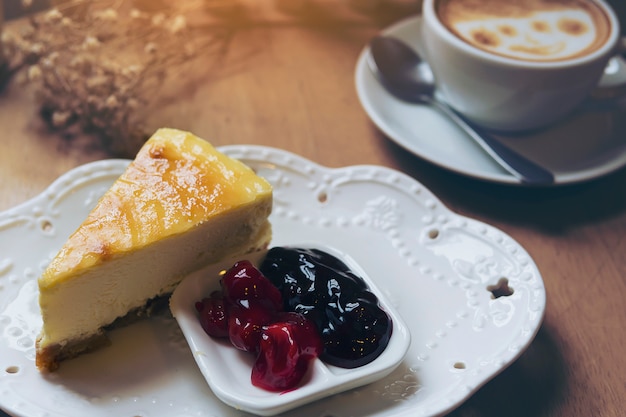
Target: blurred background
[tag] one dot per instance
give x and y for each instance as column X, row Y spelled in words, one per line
column 121, row 68
column 14, row 8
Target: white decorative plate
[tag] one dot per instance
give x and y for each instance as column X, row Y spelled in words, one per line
column 436, row 268
column 588, row 145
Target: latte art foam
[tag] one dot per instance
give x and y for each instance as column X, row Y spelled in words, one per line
column 532, row 30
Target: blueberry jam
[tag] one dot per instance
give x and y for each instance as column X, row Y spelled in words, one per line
column 354, row 329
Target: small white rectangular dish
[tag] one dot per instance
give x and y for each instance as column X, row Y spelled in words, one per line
column 227, row 370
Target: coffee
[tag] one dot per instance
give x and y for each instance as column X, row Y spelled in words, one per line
column 529, row 30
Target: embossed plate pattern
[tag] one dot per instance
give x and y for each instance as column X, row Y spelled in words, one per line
column 433, row 265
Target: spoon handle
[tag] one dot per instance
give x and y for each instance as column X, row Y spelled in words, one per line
column 517, row 165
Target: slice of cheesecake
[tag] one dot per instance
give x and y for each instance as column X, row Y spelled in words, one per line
column 180, row 206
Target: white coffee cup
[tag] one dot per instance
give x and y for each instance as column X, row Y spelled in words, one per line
column 512, row 87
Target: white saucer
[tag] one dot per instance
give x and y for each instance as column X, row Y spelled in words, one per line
column 586, row 146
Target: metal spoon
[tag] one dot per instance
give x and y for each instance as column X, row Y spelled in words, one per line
column 401, row 70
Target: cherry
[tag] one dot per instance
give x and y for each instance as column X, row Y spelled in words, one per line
column 247, row 317
column 213, row 315
column 285, row 351
column 307, row 335
column 245, row 282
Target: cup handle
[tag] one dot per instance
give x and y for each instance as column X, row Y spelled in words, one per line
column 614, row 76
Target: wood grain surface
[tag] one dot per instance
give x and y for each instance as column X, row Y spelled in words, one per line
column 289, row 83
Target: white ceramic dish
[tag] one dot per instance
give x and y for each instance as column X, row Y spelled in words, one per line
column 434, row 266
column 227, row 370
column 588, row 145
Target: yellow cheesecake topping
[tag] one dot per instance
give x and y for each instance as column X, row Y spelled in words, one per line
column 176, row 181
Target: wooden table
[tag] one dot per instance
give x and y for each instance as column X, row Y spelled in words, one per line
column 292, row 87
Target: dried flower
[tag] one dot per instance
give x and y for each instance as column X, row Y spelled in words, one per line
column 34, row 73
column 111, row 102
column 158, row 19
column 150, row 48
column 90, row 42
column 106, row 15
column 36, row 48
column 136, row 14
column 60, row 118
column 179, row 23
column 100, row 67
column 53, row 16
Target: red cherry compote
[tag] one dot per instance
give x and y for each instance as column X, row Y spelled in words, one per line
column 248, row 311
column 354, row 329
